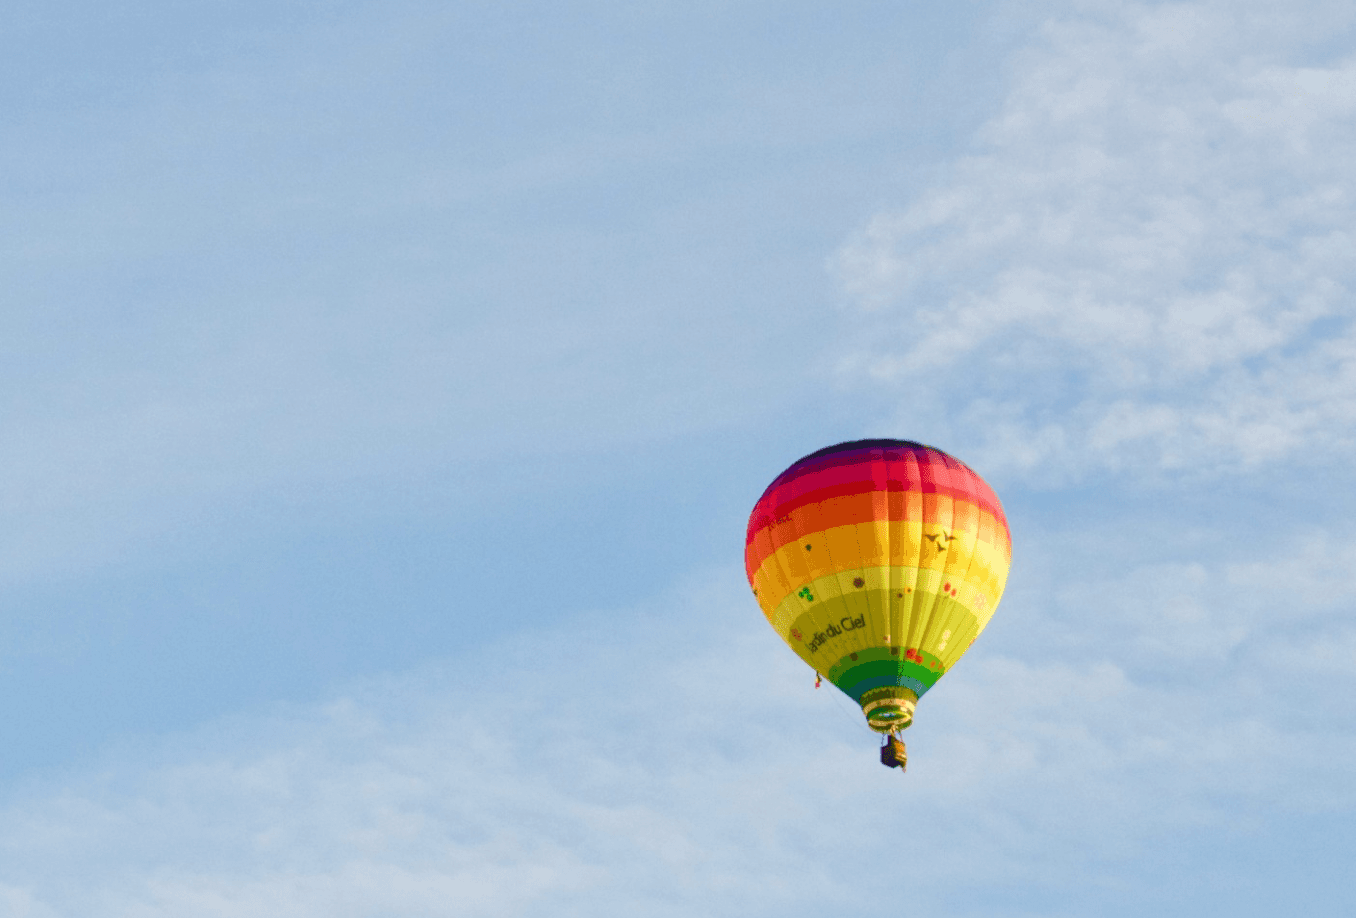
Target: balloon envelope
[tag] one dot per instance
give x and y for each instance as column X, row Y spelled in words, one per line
column 879, row 562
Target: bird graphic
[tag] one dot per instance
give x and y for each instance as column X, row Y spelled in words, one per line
column 941, row 540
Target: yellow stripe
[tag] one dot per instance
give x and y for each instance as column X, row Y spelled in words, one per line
column 860, row 546
column 920, row 616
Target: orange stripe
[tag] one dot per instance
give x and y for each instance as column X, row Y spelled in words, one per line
column 867, row 508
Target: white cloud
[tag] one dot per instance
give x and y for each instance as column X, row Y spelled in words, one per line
column 675, row 760
column 1147, row 258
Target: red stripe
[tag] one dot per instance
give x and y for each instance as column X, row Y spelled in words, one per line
column 911, row 466
column 957, row 482
column 853, row 457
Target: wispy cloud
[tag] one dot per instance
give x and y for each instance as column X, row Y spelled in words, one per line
column 1145, row 262
column 674, row 758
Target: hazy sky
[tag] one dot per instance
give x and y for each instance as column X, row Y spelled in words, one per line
column 384, row 390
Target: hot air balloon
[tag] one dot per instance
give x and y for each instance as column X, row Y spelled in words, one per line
column 879, row 562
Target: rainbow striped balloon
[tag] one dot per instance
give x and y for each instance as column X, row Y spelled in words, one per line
column 879, row 562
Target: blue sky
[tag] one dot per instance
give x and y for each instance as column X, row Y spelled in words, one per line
column 385, row 391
